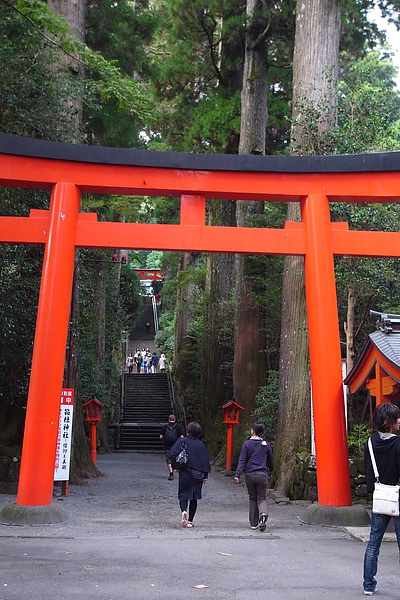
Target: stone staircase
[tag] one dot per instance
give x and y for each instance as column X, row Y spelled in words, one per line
column 146, row 406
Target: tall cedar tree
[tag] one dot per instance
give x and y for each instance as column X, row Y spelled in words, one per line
column 315, row 75
column 249, row 368
column 74, row 15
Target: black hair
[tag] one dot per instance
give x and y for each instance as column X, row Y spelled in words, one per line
column 384, row 416
column 194, row 429
column 258, row 429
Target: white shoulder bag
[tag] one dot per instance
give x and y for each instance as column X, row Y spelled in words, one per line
column 385, row 499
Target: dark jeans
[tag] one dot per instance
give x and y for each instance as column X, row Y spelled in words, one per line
column 379, row 525
column 257, row 488
column 167, row 451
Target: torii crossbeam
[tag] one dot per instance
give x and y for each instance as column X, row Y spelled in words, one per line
column 70, row 170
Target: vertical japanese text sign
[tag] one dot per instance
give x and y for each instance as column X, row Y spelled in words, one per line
column 63, row 452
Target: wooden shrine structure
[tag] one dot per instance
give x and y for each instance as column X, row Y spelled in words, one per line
column 377, row 369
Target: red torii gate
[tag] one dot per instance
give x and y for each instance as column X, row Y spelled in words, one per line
column 69, row 170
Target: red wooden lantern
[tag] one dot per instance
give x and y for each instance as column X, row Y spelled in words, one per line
column 231, row 413
column 93, row 416
column 231, row 418
column 93, row 410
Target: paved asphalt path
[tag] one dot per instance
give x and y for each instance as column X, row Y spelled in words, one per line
column 123, row 541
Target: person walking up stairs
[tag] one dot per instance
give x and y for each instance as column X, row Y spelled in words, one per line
column 170, row 432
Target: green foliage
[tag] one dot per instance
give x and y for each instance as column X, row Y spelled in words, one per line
column 266, row 403
column 193, row 276
column 369, row 106
column 122, row 307
column 165, row 336
column 32, row 82
column 154, row 259
column 215, row 121
column 105, row 83
column 376, row 281
column 166, row 322
column 223, row 337
column 357, row 436
column 20, row 272
column 198, row 70
column 128, row 296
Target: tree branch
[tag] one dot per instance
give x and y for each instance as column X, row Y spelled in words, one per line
column 44, row 36
column 211, row 46
column 262, row 37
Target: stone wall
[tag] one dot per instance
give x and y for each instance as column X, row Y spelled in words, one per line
column 304, row 479
column 9, row 473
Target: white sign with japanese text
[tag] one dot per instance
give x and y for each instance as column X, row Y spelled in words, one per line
column 63, row 452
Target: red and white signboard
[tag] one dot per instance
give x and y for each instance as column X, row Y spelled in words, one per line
column 63, row 452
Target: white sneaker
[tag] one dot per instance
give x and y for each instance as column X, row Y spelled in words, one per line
column 369, row 593
column 184, row 518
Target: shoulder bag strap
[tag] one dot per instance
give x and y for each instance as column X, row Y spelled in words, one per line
column 371, row 452
column 252, row 452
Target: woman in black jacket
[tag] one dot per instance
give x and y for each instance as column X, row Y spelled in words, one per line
column 386, row 448
column 194, row 473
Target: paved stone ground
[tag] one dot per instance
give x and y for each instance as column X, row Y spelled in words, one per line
column 123, row 541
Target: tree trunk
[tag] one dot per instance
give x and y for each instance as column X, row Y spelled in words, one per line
column 73, row 12
column 315, row 69
column 254, row 113
column 185, row 301
column 315, row 73
column 217, row 349
column 249, row 368
column 101, row 293
column 294, row 426
column 349, row 325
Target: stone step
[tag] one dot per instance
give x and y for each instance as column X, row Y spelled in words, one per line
column 147, row 404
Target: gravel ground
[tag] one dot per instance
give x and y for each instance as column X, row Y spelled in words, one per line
column 134, row 495
column 123, row 541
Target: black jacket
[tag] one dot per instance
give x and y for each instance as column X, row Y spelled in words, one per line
column 387, row 457
column 198, row 457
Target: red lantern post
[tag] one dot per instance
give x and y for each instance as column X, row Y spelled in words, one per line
column 231, row 418
column 93, row 416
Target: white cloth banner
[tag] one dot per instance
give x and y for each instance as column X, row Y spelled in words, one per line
column 63, row 452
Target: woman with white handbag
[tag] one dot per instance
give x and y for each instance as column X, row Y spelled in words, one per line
column 382, row 464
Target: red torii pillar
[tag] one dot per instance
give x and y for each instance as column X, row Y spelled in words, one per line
column 333, row 472
column 35, row 486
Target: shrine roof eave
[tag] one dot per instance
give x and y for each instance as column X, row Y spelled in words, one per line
column 354, row 163
column 381, row 348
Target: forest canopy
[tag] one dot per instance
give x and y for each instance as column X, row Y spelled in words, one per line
column 204, row 77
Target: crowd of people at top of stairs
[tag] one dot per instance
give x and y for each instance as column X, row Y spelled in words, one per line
column 145, row 361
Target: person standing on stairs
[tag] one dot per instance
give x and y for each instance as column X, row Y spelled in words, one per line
column 138, row 361
column 170, row 432
column 129, row 362
column 154, row 362
column 148, row 362
column 162, row 363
